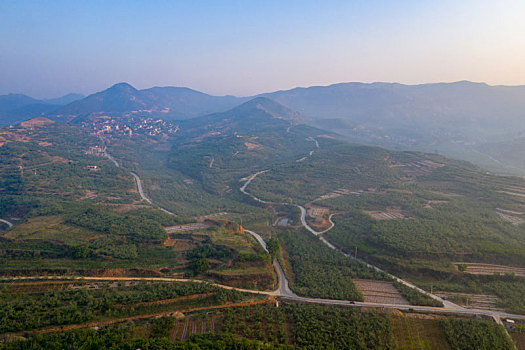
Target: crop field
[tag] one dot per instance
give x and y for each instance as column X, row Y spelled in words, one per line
column 489, row 269
column 343, row 192
column 473, row 301
column 189, row 326
column 413, row 331
column 389, row 214
column 51, row 228
column 515, row 220
column 187, row 227
column 380, row 292
column 519, row 339
column 418, row 168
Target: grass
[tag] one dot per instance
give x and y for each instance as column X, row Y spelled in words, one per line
column 414, row 333
column 51, row 228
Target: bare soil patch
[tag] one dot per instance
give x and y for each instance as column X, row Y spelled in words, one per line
column 490, row 269
column 187, row 227
column 391, row 213
column 179, row 244
column 380, row 292
column 472, row 301
column 39, row 121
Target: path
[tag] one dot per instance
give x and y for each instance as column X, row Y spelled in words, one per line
column 284, row 291
column 139, row 187
column 446, row 303
column 138, row 181
column 7, row 223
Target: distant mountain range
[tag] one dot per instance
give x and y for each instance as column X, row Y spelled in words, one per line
column 472, row 121
column 15, row 108
column 166, row 102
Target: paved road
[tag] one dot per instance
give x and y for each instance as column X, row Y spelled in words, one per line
column 446, row 303
column 137, row 180
column 283, row 290
column 6, row 222
column 106, row 154
column 139, row 187
column 306, row 226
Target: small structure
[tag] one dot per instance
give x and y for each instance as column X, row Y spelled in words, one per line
column 283, row 222
column 510, row 324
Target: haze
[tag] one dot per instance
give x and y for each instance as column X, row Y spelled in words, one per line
column 52, row 48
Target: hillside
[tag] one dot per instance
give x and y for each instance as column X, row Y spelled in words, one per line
column 439, row 223
column 15, row 108
column 461, row 120
column 166, row 102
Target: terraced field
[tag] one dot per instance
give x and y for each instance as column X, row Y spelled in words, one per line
column 380, row 292
column 490, row 269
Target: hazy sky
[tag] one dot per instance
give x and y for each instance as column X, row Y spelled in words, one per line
column 49, row 48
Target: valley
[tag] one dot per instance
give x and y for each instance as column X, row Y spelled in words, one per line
column 148, row 208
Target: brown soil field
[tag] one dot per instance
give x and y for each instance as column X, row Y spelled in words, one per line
column 252, row 146
column 181, row 244
column 519, row 340
column 39, row 121
column 380, row 292
column 418, row 333
column 391, row 213
column 418, row 168
column 489, row 269
column 187, row 327
column 515, row 220
column 474, row 301
column 187, row 227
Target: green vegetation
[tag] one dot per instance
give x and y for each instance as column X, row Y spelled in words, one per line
column 415, row 297
column 273, row 247
column 100, row 300
column 133, row 227
column 509, row 289
column 329, row 327
column 465, row 334
column 318, row 271
column 118, row 338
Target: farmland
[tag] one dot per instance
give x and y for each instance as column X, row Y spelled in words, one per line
column 379, row 292
column 489, row 269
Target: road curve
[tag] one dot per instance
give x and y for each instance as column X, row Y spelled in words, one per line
column 287, row 296
column 139, row 187
column 250, row 178
column 283, row 290
column 7, row 223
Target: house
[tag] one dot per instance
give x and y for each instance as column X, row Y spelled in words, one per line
column 510, row 324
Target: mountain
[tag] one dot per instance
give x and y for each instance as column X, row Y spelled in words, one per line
column 249, row 137
column 64, row 100
column 254, row 115
column 464, row 103
column 168, row 102
column 14, row 101
column 464, row 120
column 15, row 108
column 456, row 119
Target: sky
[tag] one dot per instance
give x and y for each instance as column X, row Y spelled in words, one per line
column 50, row 48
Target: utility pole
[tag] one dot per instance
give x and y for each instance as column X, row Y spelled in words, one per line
column 355, row 255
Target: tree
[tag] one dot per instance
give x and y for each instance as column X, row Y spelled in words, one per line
column 273, row 246
column 200, row 265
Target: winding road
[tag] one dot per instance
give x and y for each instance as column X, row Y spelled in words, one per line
column 7, row 223
column 139, row 187
column 283, row 290
column 446, row 303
